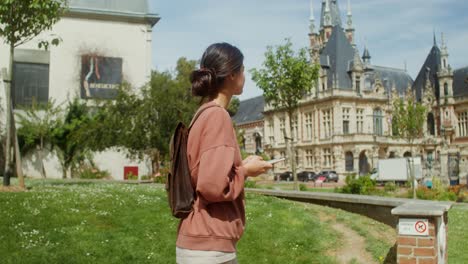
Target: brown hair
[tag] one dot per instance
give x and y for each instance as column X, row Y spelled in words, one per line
column 218, row 61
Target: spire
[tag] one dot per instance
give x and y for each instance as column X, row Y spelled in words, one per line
column 349, row 8
column 312, row 18
column 357, row 64
column 366, row 56
column 331, row 15
column 444, row 45
column 327, row 18
column 435, row 40
column 350, row 17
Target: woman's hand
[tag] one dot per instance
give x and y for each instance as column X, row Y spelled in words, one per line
column 255, row 165
column 249, row 158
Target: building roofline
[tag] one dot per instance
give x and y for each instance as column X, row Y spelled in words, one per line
column 134, row 17
column 388, row 68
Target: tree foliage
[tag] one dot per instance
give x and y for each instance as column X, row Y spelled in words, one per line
column 285, row 78
column 408, row 119
column 36, row 126
column 408, row 123
column 143, row 122
column 21, row 21
column 67, row 137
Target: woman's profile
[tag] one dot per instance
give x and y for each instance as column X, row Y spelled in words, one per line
column 209, row 234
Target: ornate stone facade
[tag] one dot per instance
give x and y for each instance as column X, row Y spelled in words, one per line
column 345, row 124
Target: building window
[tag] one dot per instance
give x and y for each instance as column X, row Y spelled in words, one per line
column 258, row 143
column 349, row 159
column 327, row 123
column 358, row 84
column 282, row 129
column 309, row 158
column 295, row 128
column 327, row 158
column 378, row 130
column 431, row 124
column 308, row 125
column 359, row 120
column 346, row 121
column 30, row 83
column 445, row 89
column 463, row 124
column 271, row 130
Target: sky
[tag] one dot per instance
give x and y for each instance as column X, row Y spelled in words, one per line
column 394, row 31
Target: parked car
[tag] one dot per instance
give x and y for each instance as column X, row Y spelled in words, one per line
column 329, row 175
column 285, row 176
column 306, row 176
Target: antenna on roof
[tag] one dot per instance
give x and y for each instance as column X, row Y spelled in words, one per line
column 406, row 66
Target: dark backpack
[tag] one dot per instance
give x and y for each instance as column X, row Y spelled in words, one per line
column 180, row 192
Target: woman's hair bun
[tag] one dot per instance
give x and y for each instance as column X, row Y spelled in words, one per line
column 203, row 82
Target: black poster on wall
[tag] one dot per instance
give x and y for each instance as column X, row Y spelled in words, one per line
column 100, row 77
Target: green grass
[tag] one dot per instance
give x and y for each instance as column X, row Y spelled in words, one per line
column 84, row 222
column 458, row 235
column 60, row 222
column 379, row 238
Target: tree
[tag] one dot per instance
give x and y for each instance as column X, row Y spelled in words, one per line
column 36, row 125
column 20, row 22
column 408, row 123
column 233, row 106
column 68, row 139
column 143, row 123
column 285, row 78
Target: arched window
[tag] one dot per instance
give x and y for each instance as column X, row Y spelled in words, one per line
column 445, row 89
column 349, row 159
column 430, row 124
column 258, row 143
column 407, row 154
column 378, row 129
column 364, row 166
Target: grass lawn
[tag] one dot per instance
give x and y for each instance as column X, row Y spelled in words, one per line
column 458, row 234
column 60, row 222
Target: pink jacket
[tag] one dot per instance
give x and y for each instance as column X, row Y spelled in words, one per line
column 218, row 219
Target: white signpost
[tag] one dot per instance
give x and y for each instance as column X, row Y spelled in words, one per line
column 413, row 227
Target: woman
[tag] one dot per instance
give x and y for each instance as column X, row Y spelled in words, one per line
column 209, row 234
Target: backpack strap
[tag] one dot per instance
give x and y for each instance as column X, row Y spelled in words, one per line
column 199, row 112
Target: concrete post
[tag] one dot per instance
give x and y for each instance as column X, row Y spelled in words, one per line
column 422, row 232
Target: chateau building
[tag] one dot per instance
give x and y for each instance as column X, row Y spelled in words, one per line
column 345, row 123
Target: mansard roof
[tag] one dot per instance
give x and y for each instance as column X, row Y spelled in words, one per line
column 334, row 13
column 250, row 110
column 392, row 77
column 431, row 66
column 337, row 55
column 135, row 9
column 460, row 82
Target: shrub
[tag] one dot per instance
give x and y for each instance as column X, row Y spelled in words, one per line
column 302, row 187
column 145, row 177
column 390, row 187
column 131, row 176
column 434, row 194
column 249, row 184
column 359, row 185
column 89, row 172
column 160, row 179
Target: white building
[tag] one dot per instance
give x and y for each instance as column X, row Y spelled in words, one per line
column 103, row 44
